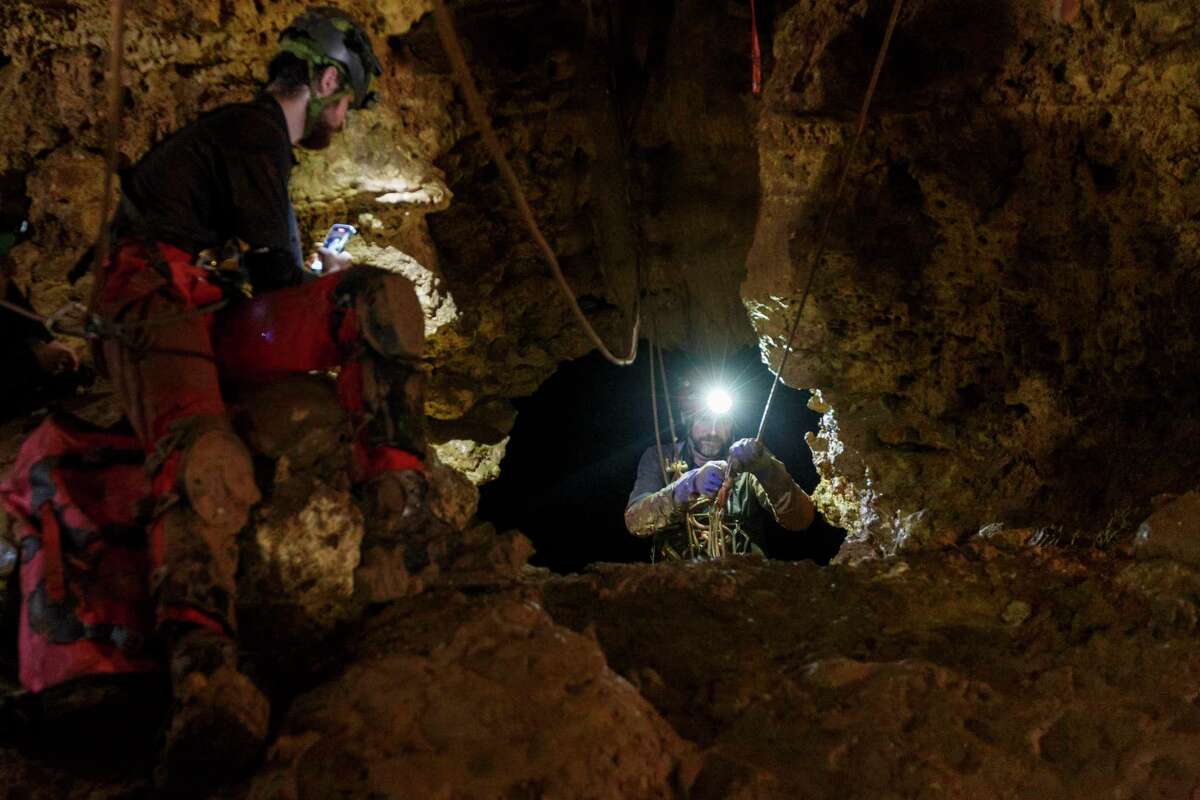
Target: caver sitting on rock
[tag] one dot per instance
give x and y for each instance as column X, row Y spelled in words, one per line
column 205, row 289
column 671, row 511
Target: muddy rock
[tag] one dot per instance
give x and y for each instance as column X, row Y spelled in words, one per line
column 300, row 555
column 475, row 698
column 454, row 497
column 1010, row 676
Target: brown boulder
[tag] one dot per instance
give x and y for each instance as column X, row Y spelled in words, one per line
column 472, row 698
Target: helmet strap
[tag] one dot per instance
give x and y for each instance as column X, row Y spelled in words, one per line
column 317, row 105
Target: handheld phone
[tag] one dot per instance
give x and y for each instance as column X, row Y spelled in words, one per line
column 337, row 238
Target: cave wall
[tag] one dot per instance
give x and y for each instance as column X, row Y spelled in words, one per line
column 1005, row 327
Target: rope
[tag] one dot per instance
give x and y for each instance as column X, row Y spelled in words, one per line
column 662, row 462
column 652, row 339
column 118, row 328
column 755, row 53
column 820, row 251
column 49, row 323
column 462, row 74
column 666, row 391
column 24, row 312
column 113, row 328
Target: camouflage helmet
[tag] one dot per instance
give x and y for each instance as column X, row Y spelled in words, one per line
column 327, row 37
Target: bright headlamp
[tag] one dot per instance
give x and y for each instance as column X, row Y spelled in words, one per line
column 718, row 401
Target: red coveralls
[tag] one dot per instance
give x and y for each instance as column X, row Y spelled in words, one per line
column 365, row 321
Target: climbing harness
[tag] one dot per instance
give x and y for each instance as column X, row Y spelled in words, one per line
column 88, row 324
column 462, row 73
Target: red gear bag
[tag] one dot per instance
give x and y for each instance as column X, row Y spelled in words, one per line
column 76, row 491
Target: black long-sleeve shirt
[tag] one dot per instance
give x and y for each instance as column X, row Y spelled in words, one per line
column 223, row 177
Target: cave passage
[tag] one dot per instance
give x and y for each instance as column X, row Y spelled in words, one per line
column 573, row 455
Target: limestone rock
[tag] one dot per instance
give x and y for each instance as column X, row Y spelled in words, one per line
column 301, row 555
column 454, row 497
column 1008, row 296
column 473, row 699
column 479, row 461
column 67, row 191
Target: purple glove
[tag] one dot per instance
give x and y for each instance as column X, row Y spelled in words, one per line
column 748, row 453
column 704, row 481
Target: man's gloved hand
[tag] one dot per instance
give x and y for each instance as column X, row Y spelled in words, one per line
column 705, row 480
column 749, row 454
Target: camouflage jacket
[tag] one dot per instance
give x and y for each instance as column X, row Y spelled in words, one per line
column 652, row 510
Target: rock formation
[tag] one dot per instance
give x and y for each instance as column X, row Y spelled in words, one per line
column 1004, row 328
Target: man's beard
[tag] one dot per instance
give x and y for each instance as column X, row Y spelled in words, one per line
column 709, row 447
column 320, row 136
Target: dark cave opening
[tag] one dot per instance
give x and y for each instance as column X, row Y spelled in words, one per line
column 573, row 454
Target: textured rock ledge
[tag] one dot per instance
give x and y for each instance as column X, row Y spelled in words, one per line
column 999, row 670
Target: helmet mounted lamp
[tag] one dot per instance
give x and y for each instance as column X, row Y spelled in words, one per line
column 718, row 401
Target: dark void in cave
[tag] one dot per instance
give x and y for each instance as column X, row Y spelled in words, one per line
column 570, row 463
